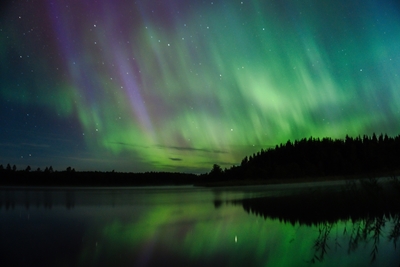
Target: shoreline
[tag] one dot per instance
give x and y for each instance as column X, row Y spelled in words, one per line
column 255, row 182
column 104, row 180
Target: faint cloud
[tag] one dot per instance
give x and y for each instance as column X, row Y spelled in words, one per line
column 122, row 144
column 180, row 148
column 176, row 159
column 36, row 145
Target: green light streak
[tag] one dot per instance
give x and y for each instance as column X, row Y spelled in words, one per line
column 230, row 78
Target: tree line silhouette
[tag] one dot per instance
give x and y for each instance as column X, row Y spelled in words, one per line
column 28, row 168
column 306, row 158
column 10, row 176
column 315, row 157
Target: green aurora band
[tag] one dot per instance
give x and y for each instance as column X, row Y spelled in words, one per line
column 182, row 85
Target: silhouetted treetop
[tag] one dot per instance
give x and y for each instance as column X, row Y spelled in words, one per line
column 315, row 157
column 216, row 170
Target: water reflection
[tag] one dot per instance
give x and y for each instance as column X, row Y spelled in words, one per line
column 365, row 211
column 11, row 198
column 263, row 226
column 355, row 234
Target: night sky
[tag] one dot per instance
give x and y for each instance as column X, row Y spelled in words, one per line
column 178, row 85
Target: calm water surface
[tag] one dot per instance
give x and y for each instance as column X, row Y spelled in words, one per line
column 179, row 226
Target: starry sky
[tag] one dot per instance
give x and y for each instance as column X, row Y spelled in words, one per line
column 178, row 85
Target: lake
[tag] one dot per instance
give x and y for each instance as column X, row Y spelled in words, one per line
column 188, row 226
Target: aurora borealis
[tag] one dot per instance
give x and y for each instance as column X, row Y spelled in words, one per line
column 180, row 85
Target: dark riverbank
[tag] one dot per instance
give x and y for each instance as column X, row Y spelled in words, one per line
column 260, row 181
column 117, row 179
column 352, row 199
column 94, row 179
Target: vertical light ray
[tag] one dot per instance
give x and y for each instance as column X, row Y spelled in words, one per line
column 187, row 79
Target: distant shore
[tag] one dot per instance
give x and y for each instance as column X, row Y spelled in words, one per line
column 249, row 182
column 116, row 179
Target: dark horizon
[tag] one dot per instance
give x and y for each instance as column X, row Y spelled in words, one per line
column 311, row 159
column 383, row 144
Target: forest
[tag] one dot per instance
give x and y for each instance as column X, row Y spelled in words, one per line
column 310, row 158
column 10, row 176
column 314, row 157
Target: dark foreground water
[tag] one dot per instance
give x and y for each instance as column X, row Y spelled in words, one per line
column 186, row 226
